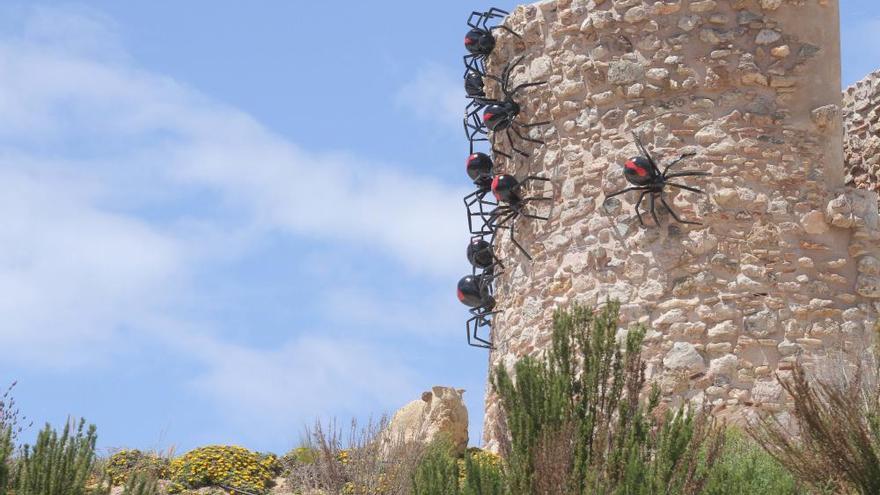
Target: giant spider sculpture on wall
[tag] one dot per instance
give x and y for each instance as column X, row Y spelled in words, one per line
column 643, row 172
column 480, row 41
column 480, row 170
column 509, row 192
column 475, row 292
column 500, row 115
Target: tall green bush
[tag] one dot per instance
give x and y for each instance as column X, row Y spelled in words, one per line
column 5, row 455
column 57, row 464
column 437, row 472
column 575, row 424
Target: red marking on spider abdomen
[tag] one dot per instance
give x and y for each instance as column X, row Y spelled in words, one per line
column 487, row 116
column 631, row 165
column 460, row 295
column 468, row 41
column 469, row 160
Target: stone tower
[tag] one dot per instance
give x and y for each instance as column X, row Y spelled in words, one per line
column 786, row 261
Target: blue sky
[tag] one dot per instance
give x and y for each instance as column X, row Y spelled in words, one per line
column 220, row 222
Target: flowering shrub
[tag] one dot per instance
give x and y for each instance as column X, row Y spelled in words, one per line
column 222, row 466
column 122, row 464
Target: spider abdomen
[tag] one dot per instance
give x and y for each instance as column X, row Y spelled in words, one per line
column 472, row 292
column 504, row 187
column 638, row 171
column 479, row 42
column 499, row 116
column 479, row 253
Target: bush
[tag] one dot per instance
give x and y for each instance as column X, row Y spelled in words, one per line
column 744, row 468
column 57, row 465
column 121, row 465
column 837, row 446
column 360, row 462
column 221, row 466
column 573, row 421
column 481, row 473
column 438, row 471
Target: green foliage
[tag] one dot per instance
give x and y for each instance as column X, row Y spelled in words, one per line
column 222, row 466
column 575, row 424
column 5, row 454
column 141, row 484
column 438, row 471
column 480, row 473
column 121, row 465
column 744, row 468
column 57, row 465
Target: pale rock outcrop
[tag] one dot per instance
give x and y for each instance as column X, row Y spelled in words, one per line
column 440, row 411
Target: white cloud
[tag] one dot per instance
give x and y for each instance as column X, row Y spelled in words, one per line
column 82, row 260
column 308, row 377
column 434, row 95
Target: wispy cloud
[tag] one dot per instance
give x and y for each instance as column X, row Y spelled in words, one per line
column 434, row 95
column 155, row 182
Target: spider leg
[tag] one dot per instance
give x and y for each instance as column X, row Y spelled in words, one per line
column 653, row 209
column 514, row 127
column 688, row 188
column 674, row 162
column 639, row 202
column 523, row 86
column 475, row 62
column 688, row 173
column 535, row 124
column 475, row 320
column 510, row 140
column 628, row 189
column 647, row 155
column 672, row 212
column 516, row 243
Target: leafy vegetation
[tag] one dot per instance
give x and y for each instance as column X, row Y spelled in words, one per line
column 123, row 464
column 222, row 466
column 574, row 421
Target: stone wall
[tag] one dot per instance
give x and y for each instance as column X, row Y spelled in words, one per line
column 861, row 121
column 786, row 261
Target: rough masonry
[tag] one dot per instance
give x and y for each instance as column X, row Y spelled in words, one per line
column 786, row 262
column 861, row 121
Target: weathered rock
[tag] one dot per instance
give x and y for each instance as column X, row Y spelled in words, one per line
column 440, row 411
column 684, row 356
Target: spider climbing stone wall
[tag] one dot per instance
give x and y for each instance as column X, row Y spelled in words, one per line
column 861, row 119
column 786, row 261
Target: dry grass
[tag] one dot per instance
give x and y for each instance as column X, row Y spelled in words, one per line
column 835, row 440
column 358, row 460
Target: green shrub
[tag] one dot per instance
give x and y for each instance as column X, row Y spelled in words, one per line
column 480, row 473
column 438, row 471
column 221, row 466
column 5, row 454
column 57, row 465
column 121, row 465
column 139, row 483
column 574, row 423
column 744, row 468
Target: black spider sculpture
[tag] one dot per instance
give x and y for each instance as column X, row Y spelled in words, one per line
column 508, row 191
column 475, row 292
column 480, row 170
column 481, row 255
column 500, row 115
column 645, row 175
column 479, row 41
